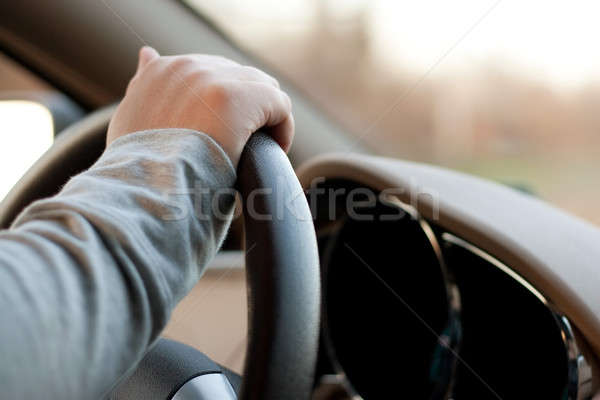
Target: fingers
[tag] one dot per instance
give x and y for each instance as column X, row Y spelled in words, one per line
column 283, row 132
column 254, row 74
column 279, row 120
column 207, row 93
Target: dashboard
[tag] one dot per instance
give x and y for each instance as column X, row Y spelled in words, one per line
column 411, row 310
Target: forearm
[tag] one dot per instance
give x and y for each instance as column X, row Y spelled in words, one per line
column 89, row 277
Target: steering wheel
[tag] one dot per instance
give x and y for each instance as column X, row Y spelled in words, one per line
column 282, row 273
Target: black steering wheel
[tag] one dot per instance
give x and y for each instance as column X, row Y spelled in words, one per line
column 282, row 273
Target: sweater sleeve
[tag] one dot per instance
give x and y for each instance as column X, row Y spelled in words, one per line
column 89, row 277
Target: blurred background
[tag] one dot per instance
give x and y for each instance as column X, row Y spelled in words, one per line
column 503, row 89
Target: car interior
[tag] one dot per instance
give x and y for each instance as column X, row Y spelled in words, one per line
column 384, row 278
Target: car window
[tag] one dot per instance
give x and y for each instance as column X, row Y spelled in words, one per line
column 26, row 126
column 506, row 90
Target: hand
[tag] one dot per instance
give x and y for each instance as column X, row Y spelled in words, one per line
column 210, row 94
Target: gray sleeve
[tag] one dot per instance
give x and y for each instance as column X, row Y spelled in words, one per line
column 88, row 278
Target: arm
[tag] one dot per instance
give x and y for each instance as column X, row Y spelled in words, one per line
column 89, row 277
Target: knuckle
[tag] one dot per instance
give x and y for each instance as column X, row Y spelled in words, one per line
column 260, row 74
column 151, row 67
column 270, row 93
column 250, row 70
column 201, row 74
column 217, row 93
column 275, row 82
column 180, row 63
column 155, row 61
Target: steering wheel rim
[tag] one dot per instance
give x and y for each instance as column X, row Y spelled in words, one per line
column 282, row 262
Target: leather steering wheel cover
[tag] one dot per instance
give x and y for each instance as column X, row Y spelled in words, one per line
column 282, row 268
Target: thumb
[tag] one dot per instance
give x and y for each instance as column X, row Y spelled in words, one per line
column 146, row 55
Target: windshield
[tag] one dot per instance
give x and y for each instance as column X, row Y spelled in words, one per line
column 506, row 90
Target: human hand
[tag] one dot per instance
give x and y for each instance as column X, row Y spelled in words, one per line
column 210, row 94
